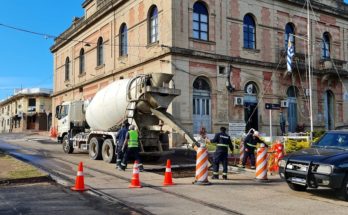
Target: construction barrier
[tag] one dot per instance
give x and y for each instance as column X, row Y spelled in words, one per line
column 202, row 167
column 261, row 163
column 276, row 153
column 135, row 181
column 79, row 182
column 168, row 180
column 53, row 132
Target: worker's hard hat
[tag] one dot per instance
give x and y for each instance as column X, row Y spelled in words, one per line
column 132, row 127
column 256, row 133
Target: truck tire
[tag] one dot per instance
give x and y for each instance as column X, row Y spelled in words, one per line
column 95, row 146
column 67, row 146
column 343, row 192
column 297, row 187
column 108, row 151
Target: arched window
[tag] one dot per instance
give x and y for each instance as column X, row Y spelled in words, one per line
column 123, row 40
column 249, row 32
column 200, row 21
column 250, row 104
column 153, row 25
column 100, row 54
column 325, row 46
column 82, row 61
column 67, row 69
column 201, row 104
column 289, row 34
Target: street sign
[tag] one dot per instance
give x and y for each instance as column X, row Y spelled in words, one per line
column 270, row 106
column 236, row 129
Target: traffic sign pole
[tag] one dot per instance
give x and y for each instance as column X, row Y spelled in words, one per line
column 270, row 124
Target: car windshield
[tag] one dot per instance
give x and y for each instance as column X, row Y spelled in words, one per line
column 333, row 140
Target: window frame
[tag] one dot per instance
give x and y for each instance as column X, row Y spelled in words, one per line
column 67, row 69
column 325, row 46
column 100, row 52
column 289, row 29
column 249, row 32
column 123, row 40
column 200, row 12
column 82, row 61
column 153, row 25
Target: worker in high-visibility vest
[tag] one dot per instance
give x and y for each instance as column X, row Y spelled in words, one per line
column 250, row 143
column 131, row 148
column 223, row 142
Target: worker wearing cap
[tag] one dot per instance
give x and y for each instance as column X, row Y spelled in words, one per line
column 131, row 148
column 250, row 142
column 223, row 142
column 120, row 137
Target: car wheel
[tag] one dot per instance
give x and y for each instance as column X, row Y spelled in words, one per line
column 108, row 152
column 297, row 187
column 67, row 147
column 95, row 146
column 344, row 189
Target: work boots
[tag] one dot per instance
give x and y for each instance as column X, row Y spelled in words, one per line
column 215, row 177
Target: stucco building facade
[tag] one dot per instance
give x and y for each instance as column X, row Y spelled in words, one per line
column 228, row 58
column 27, row 110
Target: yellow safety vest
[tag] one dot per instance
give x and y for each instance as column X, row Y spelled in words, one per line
column 133, row 139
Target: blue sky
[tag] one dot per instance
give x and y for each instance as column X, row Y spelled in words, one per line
column 25, row 59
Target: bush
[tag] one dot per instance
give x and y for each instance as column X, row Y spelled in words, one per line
column 292, row 145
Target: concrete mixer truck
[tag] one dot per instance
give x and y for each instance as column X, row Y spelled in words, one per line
column 143, row 100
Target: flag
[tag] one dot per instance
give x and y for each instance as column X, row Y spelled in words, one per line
column 290, row 53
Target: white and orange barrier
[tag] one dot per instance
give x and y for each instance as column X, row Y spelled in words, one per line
column 202, row 167
column 261, row 163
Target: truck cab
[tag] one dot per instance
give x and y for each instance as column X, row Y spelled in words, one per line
column 69, row 114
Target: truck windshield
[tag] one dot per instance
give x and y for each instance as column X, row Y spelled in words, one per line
column 333, row 140
column 64, row 111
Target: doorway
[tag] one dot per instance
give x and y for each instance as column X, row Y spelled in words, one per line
column 201, row 105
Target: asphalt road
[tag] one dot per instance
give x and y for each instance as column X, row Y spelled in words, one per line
column 53, row 199
column 239, row 195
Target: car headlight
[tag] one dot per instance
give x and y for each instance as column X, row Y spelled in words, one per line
column 282, row 163
column 324, row 169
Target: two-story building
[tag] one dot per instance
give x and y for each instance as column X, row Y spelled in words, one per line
column 228, row 58
column 28, row 109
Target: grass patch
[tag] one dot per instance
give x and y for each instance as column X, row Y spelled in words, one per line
column 12, row 168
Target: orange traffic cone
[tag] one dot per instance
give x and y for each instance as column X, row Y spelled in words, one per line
column 79, row 182
column 135, row 182
column 168, row 175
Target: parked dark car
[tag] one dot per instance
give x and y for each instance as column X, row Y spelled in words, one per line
column 324, row 164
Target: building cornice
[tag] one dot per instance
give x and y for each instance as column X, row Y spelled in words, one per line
column 86, row 2
column 84, row 23
column 19, row 96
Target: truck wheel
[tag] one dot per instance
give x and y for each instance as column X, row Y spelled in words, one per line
column 95, row 146
column 67, row 147
column 343, row 192
column 108, row 151
column 297, row 187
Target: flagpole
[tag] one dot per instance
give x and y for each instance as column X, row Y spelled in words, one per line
column 309, row 72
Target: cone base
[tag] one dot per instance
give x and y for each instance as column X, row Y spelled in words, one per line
column 262, row 180
column 79, row 189
column 202, row 183
column 134, row 186
column 168, row 184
